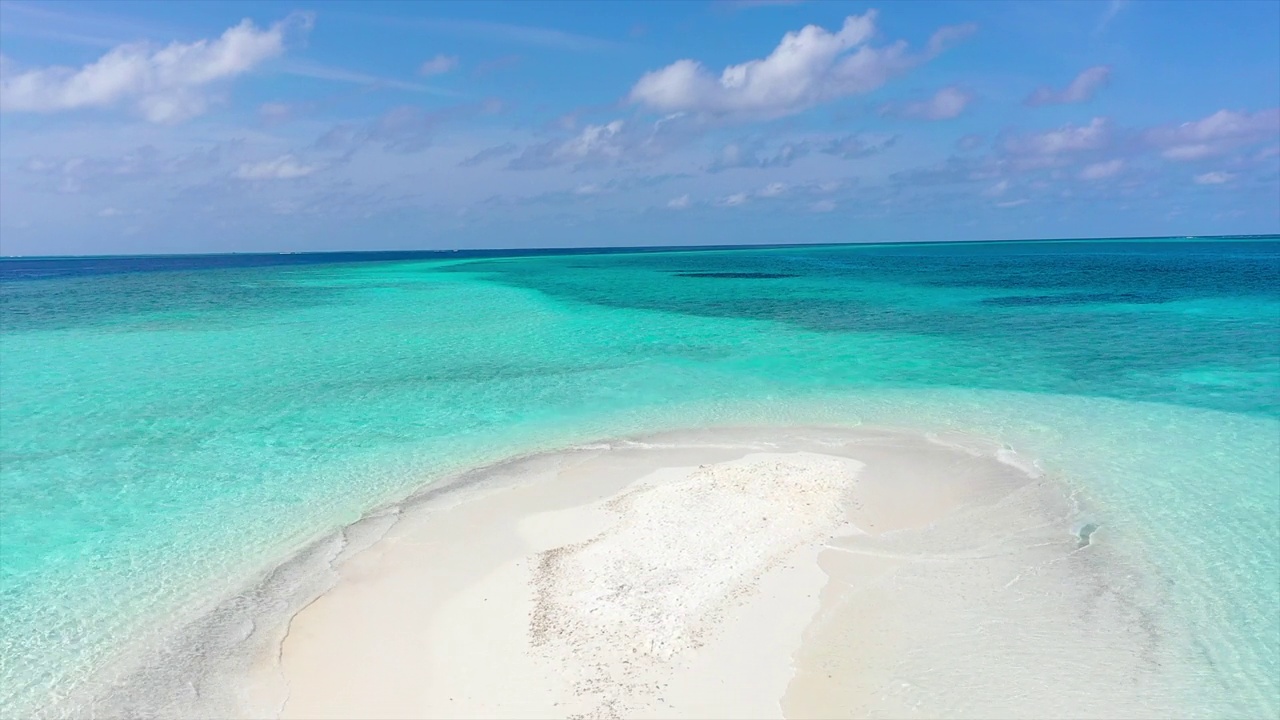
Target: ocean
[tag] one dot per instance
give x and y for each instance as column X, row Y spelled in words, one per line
column 172, row 428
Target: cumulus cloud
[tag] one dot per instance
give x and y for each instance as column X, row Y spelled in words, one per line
column 947, row 103
column 1214, row 178
column 595, row 143
column 610, row 144
column 1216, row 134
column 1082, row 89
column 1102, row 170
column 593, row 139
column 165, row 85
column 285, row 167
column 679, row 203
column 809, row 67
column 733, row 200
column 438, row 65
column 1066, row 139
column 752, row 153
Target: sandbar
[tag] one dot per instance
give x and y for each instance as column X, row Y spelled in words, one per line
column 738, row 573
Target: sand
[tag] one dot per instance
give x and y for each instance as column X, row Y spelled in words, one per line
column 762, row 573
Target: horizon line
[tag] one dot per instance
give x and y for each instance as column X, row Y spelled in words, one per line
column 568, row 250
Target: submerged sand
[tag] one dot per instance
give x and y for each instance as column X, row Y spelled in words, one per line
column 782, row 573
column 730, row 573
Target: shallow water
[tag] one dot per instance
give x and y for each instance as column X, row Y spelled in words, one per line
column 166, row 433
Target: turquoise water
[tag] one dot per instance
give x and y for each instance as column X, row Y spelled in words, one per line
column 170, row 429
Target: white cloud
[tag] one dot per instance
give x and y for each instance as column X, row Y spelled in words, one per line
column 679, row 203
column 611, row 144
column 755, row 152
column 1101, row 170
column 165, row 84
column 1223, row 123
column 808, row 67
column 772, row 190
column 594, row 139
column 1082, row 89
column 109, row 212
column 587, row 189
column 1214, row 178
column 439, row 65
column 823, row 206
column 1012, row 203
column 1068, row 138
column 1215, row 134
column 285, row 167
column 733, row 200
column 947, row 103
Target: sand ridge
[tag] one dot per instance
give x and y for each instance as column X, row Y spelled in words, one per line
column 756, row 572
column 620, row 607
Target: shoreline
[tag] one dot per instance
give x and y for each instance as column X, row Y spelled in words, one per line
column 517, row 511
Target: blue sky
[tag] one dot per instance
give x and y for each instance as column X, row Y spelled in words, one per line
column 134, row 127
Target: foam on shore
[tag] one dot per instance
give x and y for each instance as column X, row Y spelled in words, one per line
column 756, row 572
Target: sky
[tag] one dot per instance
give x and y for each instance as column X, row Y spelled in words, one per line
column 176, row 127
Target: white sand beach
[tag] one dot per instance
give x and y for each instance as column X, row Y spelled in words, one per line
column 752, row 573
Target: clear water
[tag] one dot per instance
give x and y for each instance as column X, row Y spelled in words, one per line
column 169, row 428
